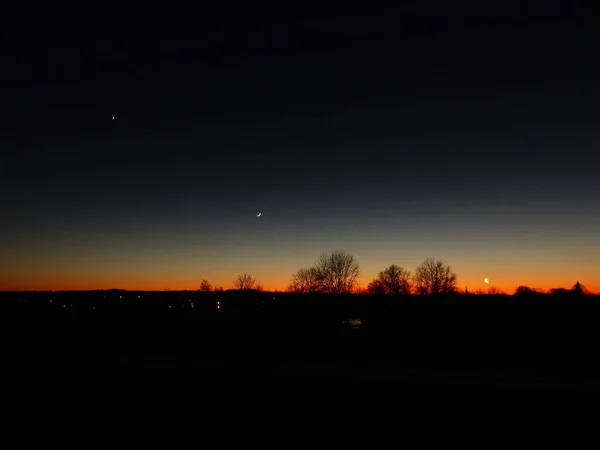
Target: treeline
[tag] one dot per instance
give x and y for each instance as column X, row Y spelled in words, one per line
column 338, row 273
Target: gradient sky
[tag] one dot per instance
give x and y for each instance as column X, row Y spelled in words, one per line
column 468, row 136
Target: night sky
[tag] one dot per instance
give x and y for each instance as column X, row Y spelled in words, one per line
column 469, row 136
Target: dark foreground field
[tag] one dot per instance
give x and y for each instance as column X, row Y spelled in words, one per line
column 290, row 350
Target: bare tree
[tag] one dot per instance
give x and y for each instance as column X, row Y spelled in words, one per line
column 306, row 281
column 395, row 280
column 205, row 286
column 244, row 281
column 523, row 290
column 434, row 277
column 493, row 290
column 376, row 287
column 338, row 271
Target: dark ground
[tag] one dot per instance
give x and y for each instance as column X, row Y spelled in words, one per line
column 274, row 354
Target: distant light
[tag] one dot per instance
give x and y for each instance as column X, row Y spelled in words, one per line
column 486, row 281
column 355, row 322
column 113, row 117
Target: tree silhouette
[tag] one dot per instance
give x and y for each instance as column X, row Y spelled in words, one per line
column 579, row 289
column 244, row 281
column 434, row 277
column 338, row 272
column 493, row 290
column 523, row 290
column 306, row 281
column 395, row 280
column 376, row 287
column 205, row 286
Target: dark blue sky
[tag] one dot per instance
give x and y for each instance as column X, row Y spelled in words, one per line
column 465, row 135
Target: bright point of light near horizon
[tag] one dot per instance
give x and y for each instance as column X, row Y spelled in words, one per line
column 486, row 281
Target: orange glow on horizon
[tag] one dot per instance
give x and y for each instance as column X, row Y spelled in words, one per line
column 44, row 274
column 80, row 285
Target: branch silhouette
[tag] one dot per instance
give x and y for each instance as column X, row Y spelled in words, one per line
column 434, row 277
column 244, row 281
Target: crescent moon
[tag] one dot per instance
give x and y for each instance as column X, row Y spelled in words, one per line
column 258, row 214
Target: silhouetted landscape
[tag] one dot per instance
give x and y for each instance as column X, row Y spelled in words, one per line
column 528, row 341
column 377, row 208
